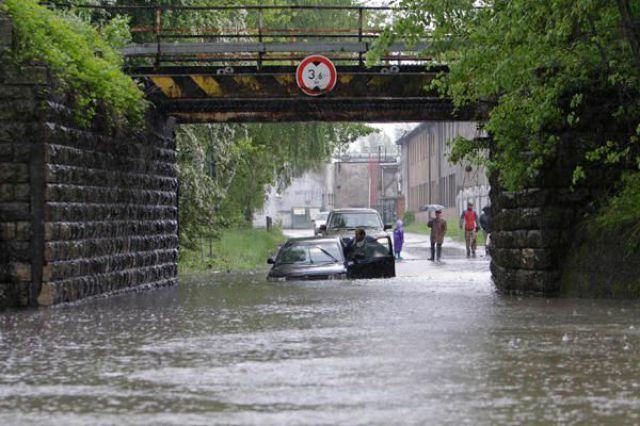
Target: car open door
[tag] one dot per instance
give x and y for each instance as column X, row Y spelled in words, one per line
column 374, row 261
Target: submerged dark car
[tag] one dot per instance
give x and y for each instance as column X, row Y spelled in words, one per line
column 326, row 259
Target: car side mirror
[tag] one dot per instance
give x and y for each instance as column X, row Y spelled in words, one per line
column 387, row 227
column 322, row 228
column 271, row 260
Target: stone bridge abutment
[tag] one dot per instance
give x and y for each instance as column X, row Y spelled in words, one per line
column 535, row 230
column 83, row 211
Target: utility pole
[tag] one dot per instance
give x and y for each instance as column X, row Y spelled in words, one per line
column 429, row 162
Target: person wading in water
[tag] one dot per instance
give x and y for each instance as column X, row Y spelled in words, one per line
column 469, row 219
column 438, row 230
column 398, row 239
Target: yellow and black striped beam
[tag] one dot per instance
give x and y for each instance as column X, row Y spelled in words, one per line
column 197, row 94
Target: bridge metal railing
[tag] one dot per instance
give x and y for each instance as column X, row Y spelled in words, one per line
column 240, row 34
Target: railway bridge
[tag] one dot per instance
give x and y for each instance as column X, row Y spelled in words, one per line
column 249, row 74
column 86, row 212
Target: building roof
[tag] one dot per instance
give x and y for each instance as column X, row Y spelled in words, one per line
column 421, row 127
column 312, row 240
column 366, row 158
column 407, row 136
column 354, row 210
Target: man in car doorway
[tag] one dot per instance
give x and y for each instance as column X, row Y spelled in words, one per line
column 469, row 219
column 355, row 246
column 438, row 230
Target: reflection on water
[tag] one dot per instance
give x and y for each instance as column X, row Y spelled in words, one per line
column 434, row 346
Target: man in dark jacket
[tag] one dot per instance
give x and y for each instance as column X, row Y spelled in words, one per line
column 438, row 230
column 485, row 219
column 355, row 247
column 485, row 223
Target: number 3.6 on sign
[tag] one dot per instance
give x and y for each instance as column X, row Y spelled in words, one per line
column 316, row 75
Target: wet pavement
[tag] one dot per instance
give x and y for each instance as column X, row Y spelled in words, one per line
column 436, row 345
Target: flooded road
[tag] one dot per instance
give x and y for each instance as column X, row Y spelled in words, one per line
column 435, row 345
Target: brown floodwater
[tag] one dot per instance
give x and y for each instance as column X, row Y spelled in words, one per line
column 435, row 345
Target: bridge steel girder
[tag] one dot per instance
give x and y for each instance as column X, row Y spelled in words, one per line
column 270, row 94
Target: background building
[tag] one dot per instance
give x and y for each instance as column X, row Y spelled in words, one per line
column 368, row 180
column 427, row 177
column 297, row 205
column 352, row 180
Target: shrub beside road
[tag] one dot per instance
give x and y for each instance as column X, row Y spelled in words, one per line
column 235, row 249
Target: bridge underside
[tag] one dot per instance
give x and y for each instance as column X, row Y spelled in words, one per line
column 270, row 94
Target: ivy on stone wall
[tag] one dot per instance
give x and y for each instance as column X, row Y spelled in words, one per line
column 84, row 62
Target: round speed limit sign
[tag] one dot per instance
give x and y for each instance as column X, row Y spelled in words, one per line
column 316, row 75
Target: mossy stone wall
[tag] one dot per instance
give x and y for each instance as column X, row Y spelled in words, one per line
column 83, row 211
column 534, row 230
column 602, row 264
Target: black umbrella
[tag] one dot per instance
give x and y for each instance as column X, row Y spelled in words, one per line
column 431, row 207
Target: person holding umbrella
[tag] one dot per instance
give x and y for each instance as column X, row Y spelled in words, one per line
column 438, row 230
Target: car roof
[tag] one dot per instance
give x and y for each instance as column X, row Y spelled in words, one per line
column 310, row 240
column 354, row 210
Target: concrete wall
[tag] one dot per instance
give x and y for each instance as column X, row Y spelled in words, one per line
column 389, row 179
column 351, row 184
column 305, row 192
column 82, row 212
column 339, row 184
column 329, row 199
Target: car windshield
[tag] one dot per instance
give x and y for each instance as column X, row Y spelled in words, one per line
column 355, row 220
column 310, row 253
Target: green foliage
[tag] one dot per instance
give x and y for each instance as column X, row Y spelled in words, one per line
column 86, row 67
column 207, row 160
column 417, row 228
column 546, row 67
column 409, row 218
column 578, row 175
column 200, row 22
column 468, row 151
column 276, row 153
column 245, row 159
column 605, row 252
column 235, row 249
column 622, row 211
column 117, row 32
